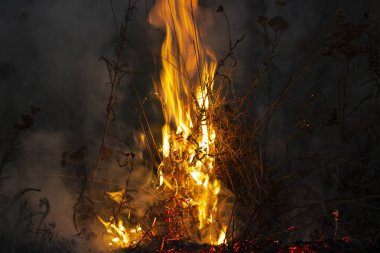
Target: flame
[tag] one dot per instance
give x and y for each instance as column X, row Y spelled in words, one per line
column 179, row 60
column 121, row 237
column 187, row 170
column 185, row 88
column 121, row 234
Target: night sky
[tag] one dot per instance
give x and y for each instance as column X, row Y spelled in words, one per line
column 50, row 58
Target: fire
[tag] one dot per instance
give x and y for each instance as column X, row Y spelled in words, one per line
column 185, row 88
column 187, row 173
column 121, row 233
column 183, row 62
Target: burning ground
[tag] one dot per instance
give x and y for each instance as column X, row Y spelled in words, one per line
column 178, row 126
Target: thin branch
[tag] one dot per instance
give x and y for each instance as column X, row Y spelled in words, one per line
column 114, row 82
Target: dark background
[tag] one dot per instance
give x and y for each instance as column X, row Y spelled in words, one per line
column 327, row 125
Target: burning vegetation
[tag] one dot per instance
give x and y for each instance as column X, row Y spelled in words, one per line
column 203, row 182
column 208, row 168
column 197, row 206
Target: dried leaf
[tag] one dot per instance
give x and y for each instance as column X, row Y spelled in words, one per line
column 262, row 20
column 106, row 154
column 278, row 23
column 79, row 154
column 27, row 120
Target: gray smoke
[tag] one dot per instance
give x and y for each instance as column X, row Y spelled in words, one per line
column 49, row 57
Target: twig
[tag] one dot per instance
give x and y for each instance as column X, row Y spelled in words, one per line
column 114, row 82
column 12, row 145
column 113, row 13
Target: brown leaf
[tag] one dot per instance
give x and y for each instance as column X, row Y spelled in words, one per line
column 220, row 8
column 278, row 23
column 106, row 153
column 262, row 20
column 79, row 154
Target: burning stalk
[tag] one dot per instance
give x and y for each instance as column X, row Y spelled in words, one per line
column 187, row 175
column 187, row 171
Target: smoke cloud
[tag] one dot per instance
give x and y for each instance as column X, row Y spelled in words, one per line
column 49, row 58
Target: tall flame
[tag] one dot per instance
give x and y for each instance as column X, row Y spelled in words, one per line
column 184, row 64
column 187, row 170
column 185, row 88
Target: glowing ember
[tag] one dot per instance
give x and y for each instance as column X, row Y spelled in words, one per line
column 186, row 175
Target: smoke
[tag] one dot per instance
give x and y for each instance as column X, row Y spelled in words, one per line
column 49, row 58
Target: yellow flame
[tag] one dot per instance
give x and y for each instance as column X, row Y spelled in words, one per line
column 121, row 237
column 182, row 60
column 185, row 88
column 222, row 236
column 117, row 196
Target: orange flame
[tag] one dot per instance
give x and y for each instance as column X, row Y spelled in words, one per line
column 183, row 62
column 185, row 88
column 122, row 237
column 120, row 233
